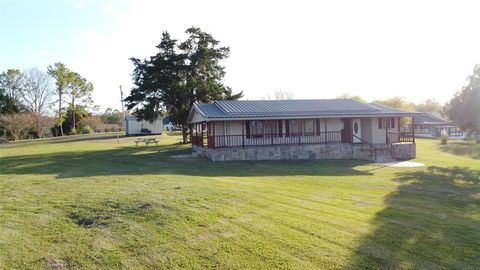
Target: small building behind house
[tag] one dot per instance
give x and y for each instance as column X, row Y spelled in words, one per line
column 135, row 127
column 432, row 125
column 300, row 129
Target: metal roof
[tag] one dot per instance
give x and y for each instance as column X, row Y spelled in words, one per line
column 254, row 109
column 429, row 118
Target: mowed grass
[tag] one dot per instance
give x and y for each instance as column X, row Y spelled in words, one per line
column 107, row 204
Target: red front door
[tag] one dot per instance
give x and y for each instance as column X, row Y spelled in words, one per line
column 346, row 130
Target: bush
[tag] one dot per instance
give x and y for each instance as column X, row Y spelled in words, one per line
column 86, row 130
column 93, row 122
column 444, row 139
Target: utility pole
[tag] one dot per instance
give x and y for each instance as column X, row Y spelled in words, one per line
column 123, row 108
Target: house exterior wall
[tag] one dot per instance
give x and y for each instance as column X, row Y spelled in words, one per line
column 334, row 124
column 196, row 117
column 370, row 132
column 134, row 127
column 378, row 135
column 235, row 127
column 366, row 124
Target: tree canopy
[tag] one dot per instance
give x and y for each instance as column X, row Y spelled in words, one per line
column 72, row 85
column 350, row 96
column 178, row 76
column 429, row 105
column 11, row 83
column 401, row 103
column 464, row 108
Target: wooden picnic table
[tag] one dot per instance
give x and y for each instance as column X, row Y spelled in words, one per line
column 147, row 141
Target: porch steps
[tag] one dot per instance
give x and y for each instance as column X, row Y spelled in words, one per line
column 383, row 155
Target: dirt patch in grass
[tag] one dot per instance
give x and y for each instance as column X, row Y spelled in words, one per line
column 103, row 215
column 146, row 206
column 55, row 264
column 89, row 219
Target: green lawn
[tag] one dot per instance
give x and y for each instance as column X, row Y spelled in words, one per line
column 108, row 204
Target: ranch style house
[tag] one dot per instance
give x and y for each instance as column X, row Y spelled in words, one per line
column 300, row 129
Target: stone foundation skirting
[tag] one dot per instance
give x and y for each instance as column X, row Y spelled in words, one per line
column 285, row 152
column 305, row 152
column 405, row 150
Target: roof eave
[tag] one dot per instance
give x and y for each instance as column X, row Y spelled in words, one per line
column 307, row 117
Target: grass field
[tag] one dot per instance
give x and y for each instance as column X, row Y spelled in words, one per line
column 104, row 203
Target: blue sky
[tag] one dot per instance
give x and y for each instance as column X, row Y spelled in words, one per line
column 38, row 33
column 313, row 49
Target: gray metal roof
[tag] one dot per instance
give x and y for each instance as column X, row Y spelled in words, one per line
column 429, row 118
column 247, row 109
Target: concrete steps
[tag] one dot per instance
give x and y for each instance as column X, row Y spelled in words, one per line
column 383, row 156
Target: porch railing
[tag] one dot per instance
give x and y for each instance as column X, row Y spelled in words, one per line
column 390, row 148
column 373, row 149
column 395, row 137
column 219, row 141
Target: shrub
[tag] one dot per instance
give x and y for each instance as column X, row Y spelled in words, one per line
column 86, row 130
column 18, row 125
column 93, row 122
column 444, row 139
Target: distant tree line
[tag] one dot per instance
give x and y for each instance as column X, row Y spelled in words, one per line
column 37, row 104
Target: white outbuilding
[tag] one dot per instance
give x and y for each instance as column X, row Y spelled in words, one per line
column 142, row 127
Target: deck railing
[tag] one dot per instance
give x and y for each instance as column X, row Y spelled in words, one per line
column 219, row 141
column 394, row 137
column 390, row 148
column 371, row 147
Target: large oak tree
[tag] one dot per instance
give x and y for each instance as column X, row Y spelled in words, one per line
column 178, row 76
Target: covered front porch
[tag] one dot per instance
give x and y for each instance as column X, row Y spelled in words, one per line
column 372, row 134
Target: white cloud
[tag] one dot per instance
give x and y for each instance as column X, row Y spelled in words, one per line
column 109, row 9
column 43, row 52
column 79, row 5
column 89, row 36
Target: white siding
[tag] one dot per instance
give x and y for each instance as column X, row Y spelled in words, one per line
column 334, row 124
column 134, row 127
column 367, row 129
column 197, row 117
column 235, row 127
column 378, row 135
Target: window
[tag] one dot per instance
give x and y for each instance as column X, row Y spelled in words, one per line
column 256, row 128
column 247, row 128
column 317, row 126
column 280, row 128
column 380, row 126
column 309, row 127
column 287, row 128
column 296, row 127
column 270, row 128
column 392, row 122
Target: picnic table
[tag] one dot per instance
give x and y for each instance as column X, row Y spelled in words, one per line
column 147, row 141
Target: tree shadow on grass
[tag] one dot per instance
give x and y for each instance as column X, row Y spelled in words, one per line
column 430, row 222
column 161, row 160
column 463, row 149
